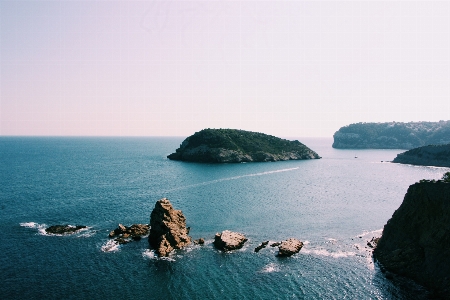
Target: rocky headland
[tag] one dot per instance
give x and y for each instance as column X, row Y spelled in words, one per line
column 392, row 135
column 235, row 146
column 168, row 229
column 432, row 155
column 415, row 242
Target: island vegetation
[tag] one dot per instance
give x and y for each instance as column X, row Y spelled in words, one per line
column 432, row 155
column 233, row 145
column 392, row 135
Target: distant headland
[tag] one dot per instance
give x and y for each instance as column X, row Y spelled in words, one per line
column 392, row 135
column 432, row 155
column 235, row 146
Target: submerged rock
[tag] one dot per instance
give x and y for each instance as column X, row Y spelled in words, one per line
column 64, row 229
column 416, row 241
column 168, row 229
column 289, row 247
column 228, row 240
column 262, row 246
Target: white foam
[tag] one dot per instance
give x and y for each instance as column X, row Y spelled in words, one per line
column 324, row 252
column 151, row 254
column 374, row 232
column 110, row 246
column 232, row 178
column 29, row 224
column 270, row 268
column 34, row 225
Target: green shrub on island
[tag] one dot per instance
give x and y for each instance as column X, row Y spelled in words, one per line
column 392, row 135
column 233, row 145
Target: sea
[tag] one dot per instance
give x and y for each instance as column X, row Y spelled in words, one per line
column 334, row 205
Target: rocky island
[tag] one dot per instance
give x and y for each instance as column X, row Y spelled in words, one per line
column 432, row 155
column 392, row 135
column 235, row 146
column 415, row 242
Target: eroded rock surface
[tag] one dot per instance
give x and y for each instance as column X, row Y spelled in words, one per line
column 168, row 229
column 228, row 240
column 64, row 229
column 289, row 247
column 124, row 234
column 416, row 241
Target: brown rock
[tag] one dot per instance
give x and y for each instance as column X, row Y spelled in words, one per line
column 200, row 241
column 289, row 247
column 228, row 240
column 167, row 228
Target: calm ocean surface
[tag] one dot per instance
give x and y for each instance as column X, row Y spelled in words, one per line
column 334, row 205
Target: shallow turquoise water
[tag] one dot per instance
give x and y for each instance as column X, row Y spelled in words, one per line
column 335, row 205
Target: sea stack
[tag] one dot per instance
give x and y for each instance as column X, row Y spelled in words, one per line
column 168, row 229
column 289, row 247
column 416, row 241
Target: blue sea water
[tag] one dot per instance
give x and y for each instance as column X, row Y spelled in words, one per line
column 334, row 205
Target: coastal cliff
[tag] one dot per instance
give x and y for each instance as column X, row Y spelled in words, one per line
column 416, row 241
column 392, row 135
column 234, row 146
column 432, row 155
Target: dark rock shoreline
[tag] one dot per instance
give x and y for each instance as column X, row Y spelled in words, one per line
column 416, row 241
column 432, row 155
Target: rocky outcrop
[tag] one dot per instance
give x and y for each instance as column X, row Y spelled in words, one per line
column 392, row 135
column 64, row 229
column 416, row 241
column 168, row 229
column 124, row 234
column 432, row 155
column 228, row 240
column 289, row 247
column 235, row 146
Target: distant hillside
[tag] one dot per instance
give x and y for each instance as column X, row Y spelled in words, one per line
column 433, row 155
column 232, row 145
column 392, row 135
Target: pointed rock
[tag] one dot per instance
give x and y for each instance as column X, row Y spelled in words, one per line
column 167, row 228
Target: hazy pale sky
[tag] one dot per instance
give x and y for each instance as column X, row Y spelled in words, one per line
column 170, row 68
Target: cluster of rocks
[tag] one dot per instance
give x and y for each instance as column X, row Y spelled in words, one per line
column 124, row 234
column 64, row 229
column 285, row 248
column 168, row 231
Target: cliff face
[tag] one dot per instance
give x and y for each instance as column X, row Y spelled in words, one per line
column 433, row 155
column 234, row 146
column 416, row 241
column 392, row 135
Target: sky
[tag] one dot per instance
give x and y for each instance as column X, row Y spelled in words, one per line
column 171, row 68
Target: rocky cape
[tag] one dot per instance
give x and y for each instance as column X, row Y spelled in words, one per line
column 392, row 135
column 432, row 155
column 415, row 242
column 235, row 146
